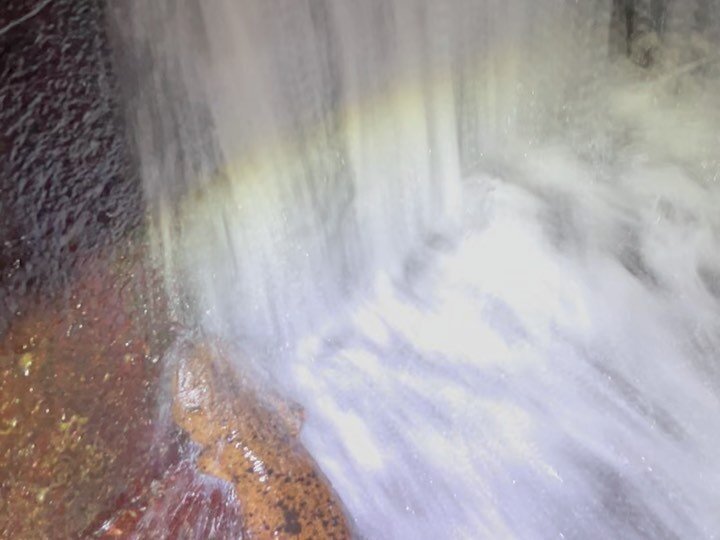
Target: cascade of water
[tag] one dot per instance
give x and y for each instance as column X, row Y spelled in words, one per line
column 291, row 149
column 550, row 374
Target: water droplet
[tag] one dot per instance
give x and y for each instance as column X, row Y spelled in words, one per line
column 25, row 363
column 42, row 493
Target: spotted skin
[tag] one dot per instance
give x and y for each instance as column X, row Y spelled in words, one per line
column 253, row 445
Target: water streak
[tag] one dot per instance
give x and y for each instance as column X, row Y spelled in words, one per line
column 482, row 251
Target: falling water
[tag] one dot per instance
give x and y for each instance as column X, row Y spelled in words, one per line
column 296, row 148
column 478, row 247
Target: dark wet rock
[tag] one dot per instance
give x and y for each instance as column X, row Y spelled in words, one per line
column 66, row 182
column 183, row 503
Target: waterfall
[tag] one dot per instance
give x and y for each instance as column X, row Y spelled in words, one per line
column 292, row 149
column 474, row 241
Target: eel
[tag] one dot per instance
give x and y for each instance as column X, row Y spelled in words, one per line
column 250, row 441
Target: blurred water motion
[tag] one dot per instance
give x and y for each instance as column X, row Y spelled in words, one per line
column 322, row 139
column 481, row 251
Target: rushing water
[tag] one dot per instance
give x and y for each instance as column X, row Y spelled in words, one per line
column 481, row 251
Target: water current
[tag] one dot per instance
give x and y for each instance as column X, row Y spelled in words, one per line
column 478, row 247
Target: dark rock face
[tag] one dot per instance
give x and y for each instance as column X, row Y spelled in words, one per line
column 66, row 184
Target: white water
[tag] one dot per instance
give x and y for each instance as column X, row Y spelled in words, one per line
column 295, row 148
column 552, row 374
column 485, row 258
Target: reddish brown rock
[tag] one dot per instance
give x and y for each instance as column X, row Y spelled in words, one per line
column 251, row 444
column 79, row 379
